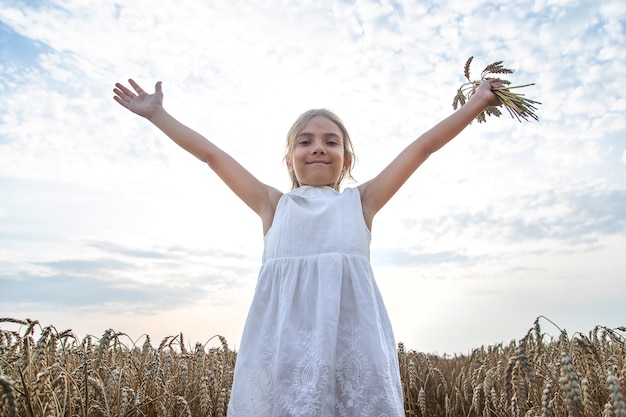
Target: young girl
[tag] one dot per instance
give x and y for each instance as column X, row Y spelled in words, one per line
column 317, row 341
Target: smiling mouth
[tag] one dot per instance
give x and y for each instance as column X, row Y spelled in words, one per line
column 318, row 163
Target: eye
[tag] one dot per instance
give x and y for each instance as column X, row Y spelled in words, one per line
column 332, row 142
column 304, row 142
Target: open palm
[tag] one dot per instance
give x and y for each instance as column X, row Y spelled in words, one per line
column 139, row 102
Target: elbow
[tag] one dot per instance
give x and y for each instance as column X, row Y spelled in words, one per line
column 426, row 153
column 431, row 150
column 207, row 158
column 207, row 155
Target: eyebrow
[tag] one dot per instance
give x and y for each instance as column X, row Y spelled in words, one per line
column 326, row 135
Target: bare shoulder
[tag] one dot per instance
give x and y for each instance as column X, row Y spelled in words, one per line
column 367, row 203
column 267, row 214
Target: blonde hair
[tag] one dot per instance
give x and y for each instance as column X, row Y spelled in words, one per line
column 296, row 128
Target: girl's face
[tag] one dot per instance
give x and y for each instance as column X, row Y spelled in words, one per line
column 318, row 154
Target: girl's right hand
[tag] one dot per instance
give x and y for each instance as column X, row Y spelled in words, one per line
column 141, row 103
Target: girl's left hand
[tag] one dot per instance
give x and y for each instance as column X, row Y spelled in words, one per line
column 484, row 92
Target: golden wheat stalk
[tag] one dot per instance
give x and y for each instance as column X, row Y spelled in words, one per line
column 8, row 398
column 518, row 105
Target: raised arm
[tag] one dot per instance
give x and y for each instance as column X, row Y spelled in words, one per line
column 376, row 192
column 258, row 196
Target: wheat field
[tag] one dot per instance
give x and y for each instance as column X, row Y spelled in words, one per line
column 57, row 374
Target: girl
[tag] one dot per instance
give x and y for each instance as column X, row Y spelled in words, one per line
column 317, row 341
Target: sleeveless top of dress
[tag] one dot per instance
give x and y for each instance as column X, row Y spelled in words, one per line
column 317, row 340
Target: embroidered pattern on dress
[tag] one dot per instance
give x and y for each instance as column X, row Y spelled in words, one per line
column 310, row 374
column 356, row 377
column 310, row 380
column 352, row 369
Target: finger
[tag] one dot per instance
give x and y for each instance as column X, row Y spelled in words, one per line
column 122, row 96
column 496, row 83
column 138, row 89
column 123, row 92
column 157, row 87
column 121, row 101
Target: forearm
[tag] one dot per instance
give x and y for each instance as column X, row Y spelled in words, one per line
column 446, row 130
column 185, row 137
column 377, row 192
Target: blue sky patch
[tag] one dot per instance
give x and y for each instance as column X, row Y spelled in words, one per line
column 19, row 50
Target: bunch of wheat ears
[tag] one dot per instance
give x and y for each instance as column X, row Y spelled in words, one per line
column 518, row 106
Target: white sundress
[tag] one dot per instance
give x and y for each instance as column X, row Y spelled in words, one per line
column 317, row 341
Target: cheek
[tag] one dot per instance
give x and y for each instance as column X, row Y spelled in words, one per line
column 295, row 158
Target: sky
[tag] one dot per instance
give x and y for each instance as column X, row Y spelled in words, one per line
column 105, row 223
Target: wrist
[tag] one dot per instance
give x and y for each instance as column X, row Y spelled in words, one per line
column 156, row 113
column 480, row 99
column 476, row 104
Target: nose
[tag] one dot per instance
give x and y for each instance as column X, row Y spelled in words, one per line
column 318, row 147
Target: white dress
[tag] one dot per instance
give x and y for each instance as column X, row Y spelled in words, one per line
column 317, row 341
